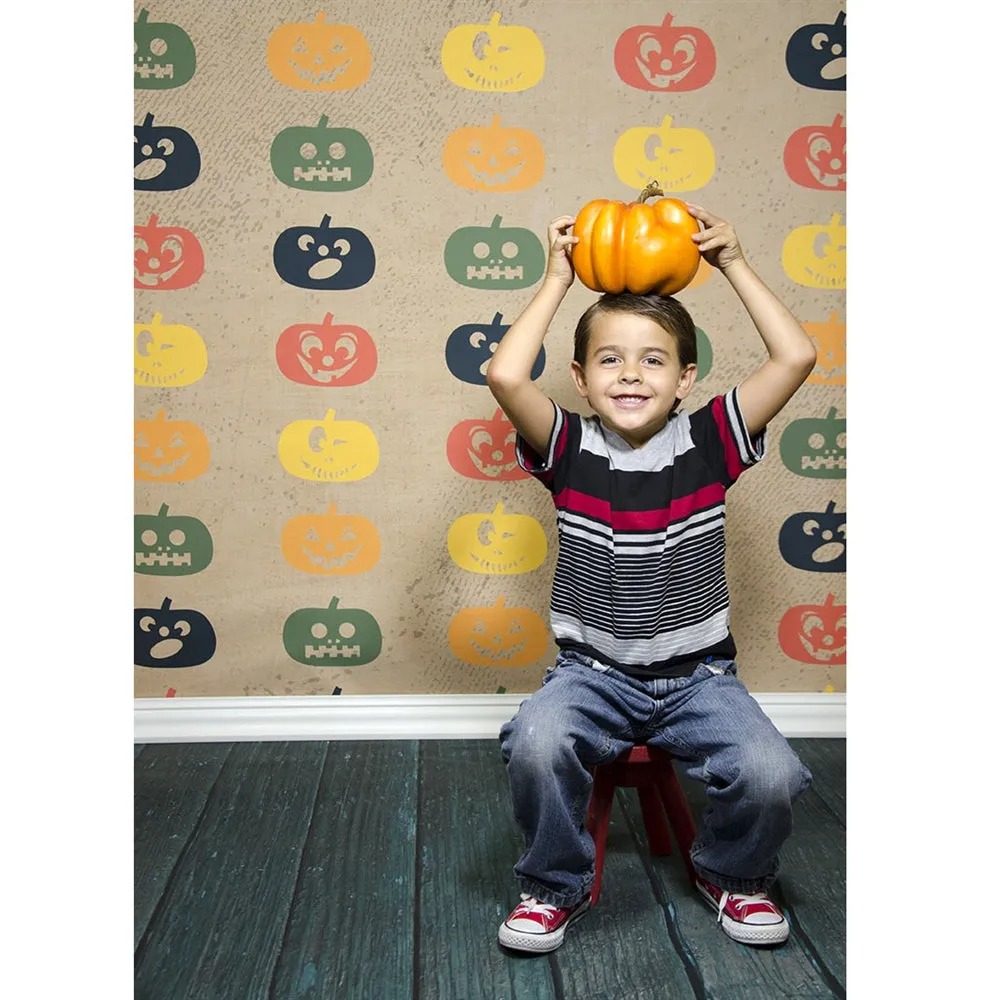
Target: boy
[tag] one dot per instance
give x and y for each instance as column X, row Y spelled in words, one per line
column 640, row 608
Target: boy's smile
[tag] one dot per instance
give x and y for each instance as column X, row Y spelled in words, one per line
column 632, row 375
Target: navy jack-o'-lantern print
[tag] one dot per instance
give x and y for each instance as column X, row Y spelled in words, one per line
column 816, row 55
column 815, row 540
column 324, row 257
column 168, row 637
column 469, row 349
column 165, row 158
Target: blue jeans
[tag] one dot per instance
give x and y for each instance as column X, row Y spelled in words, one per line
column 586, row 714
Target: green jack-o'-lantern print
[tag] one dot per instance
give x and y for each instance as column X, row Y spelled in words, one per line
column 320, row 158
column 332, row 636
column 162, row 54
column 171, row 544
column 494, row 256
column 816, row 447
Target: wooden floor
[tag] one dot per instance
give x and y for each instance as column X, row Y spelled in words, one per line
column 381, row 871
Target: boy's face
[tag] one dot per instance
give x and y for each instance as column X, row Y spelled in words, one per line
column 632, row 375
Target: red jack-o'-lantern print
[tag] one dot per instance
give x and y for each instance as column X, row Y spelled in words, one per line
column 326, row 354
column 484, row 449
column 816, row 156
column 166, row 257
column 815, row 633
column 665, row 57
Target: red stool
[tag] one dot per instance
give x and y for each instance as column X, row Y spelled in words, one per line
column 650, row 771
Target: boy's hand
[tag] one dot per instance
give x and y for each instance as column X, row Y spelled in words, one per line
column 718, row 242
column 560, row 266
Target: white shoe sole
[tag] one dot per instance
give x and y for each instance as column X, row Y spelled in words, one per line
column 747, row 933
column 521, row 941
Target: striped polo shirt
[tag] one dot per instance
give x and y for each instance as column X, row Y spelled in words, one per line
column 640, row 580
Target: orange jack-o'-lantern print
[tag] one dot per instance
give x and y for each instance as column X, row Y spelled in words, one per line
column 494, row 158
column 830, row 339
column 498, row 636
column 665, row 57
column 169, row 451
column 319, row 56
column 815, row 633
column 331, row 544
column 166, row 257
column 326, row 354
column 484, row 449
column 816, row 156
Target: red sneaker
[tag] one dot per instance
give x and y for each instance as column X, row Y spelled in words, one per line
column 536, row 926
column 747, row 917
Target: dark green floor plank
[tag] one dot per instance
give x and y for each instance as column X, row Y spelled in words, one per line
column 139, row 747
column 729, row 970
column 171, row 785
column 350, row 931
column 622, row 948
column 827, row 759
column 468, row 846
column 218, row 930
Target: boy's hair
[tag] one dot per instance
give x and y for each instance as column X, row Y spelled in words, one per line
column 664, row 310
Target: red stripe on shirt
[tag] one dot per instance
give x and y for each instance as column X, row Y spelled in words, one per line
column 640, row 520
column 734, row 466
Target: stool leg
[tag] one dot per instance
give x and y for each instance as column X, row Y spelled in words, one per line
column 679, row 813
column 655, row 820
column 598, row 815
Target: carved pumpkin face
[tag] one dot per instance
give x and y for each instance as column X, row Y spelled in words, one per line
column 331, row 544
column 332, row 636
column 815, row 633
column 492, row 158
column 162, row 55
column 484, row 449
column 830, row 339
column 815, row 541
column 323, row 257
column 498, row 636
column 816, row 156
column 166, row 257
column 168, row 355
column 816, row 55
column 816, row 448
column 816, row 256
column 328, row 450
column 171, row 545
column 678, row 159
column 169, row 451
column 494, row 256
column 319, row 56
column 165, row 158
column 470, row 348
column 326, row 354
column 664, row 57
column 167, row 637
column 322, row 159
column 492, row 57
column 497, row 543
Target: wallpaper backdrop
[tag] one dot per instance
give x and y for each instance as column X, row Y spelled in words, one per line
column 339, row 210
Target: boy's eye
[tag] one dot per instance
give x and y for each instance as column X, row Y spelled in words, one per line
column 609, row 357
column 654, row 361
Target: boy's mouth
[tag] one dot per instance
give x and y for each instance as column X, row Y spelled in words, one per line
column 629, row 402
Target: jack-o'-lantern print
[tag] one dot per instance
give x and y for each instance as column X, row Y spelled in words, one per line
column 172, row 637
column 665, row 57
column 167, row 355
column 498, row 636
column 163, row 54
column 331, row 544
column 470, row 348
column 320, row 158
column 830, row 339
column 678, row 159
column 494, row 158
column 704, row 348
column 328, row 450
column 815, row 540
column 332, row 636
column 816, row 447
column 816, row 255
column 494, row 57
column 324, row 257
column 171, row 544
column 484, row 449
column 816, row 55
column 169, row 451
column 166, row 257
column 816, row 156
column 497, row 543
column 327, row 354
column 815, row 633
column 319, row 56
column 165, row 158
column 494, row 256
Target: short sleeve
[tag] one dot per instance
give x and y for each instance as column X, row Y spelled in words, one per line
column 548, row 468
column 719, row 432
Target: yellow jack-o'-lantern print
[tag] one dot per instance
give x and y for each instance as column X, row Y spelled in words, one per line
column 497, row 543
column 168, row 354
column 816, row 256
column 328, row 450
column 679, row 159
column 493, row 57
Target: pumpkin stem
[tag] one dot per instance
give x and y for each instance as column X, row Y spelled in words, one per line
column 157, row 317
column 323, row 119
column 153, row 220
column 499, row 603
column 832, row 413
column 321, row 17
column 651, row 190
column 496, row 319
column 837, row 121
column 330, row 416
column 165, row 606
column 160, row 415
column 143, row 15
column 830, row 506
column 325, row 221
column 334, row 601
column 833, row 318
column 148, row 120
column 495, row 19
column 667, row 20
column 328, row 320
column 498, row 510
column 332, row 509
column 496, row 122
column 162, row 512
column 828, row 603
column 495, row 223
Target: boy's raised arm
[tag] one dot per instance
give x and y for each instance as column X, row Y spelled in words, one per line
column 509, row 372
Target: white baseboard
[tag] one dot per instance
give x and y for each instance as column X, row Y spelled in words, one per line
column 405, row 717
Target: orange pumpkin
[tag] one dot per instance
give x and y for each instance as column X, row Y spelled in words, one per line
column 636, row 247
column 319, row 56
column 830, row 339
column 498, row 636
column 169, row 451
column 491, row 158
column 331, row 544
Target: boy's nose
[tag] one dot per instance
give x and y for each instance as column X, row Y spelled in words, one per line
column 629, row 376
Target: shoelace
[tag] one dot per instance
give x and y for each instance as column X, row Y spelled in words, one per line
column 531, row 905
column 740, row 899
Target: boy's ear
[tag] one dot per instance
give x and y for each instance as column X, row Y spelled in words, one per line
column 579, row 377
column 687, row 380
